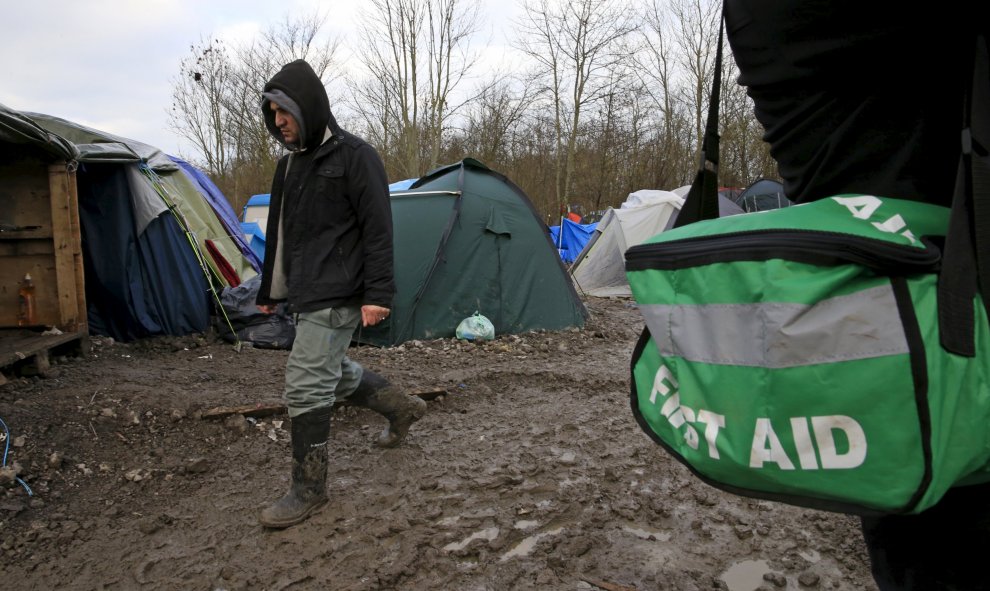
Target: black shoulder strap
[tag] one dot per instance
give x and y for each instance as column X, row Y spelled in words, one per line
column 967, row 244
column 701, row 202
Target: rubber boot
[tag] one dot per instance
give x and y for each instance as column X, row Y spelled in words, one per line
column 401, row 410
column 308, row 492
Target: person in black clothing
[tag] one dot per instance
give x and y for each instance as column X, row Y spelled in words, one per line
column 329, row 255
column 868, row 97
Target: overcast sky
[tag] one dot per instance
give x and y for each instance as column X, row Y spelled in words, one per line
column 109, row 64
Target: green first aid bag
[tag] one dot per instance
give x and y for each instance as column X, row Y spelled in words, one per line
column 794, row 355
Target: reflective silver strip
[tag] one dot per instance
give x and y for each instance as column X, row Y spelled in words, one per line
column 862, row 325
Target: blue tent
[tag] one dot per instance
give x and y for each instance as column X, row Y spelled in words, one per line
column 261, row 200
column 571, row 241
column 253, row 219
column 252, row 232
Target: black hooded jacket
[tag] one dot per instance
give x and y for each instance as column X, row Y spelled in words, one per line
column 329, row 220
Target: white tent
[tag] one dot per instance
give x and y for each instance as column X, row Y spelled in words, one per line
column 600, row 270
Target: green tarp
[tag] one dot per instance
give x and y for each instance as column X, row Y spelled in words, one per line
column 18, row 129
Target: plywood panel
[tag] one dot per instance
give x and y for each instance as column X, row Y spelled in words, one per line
column 39, row 235
column 24, row 194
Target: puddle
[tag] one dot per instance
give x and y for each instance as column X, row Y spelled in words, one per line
column 746, row 575
column 526, row 546
column 526, row 524
column 486, row 534
column 646, row 535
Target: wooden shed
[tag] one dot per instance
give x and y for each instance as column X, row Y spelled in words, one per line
column 40, row 237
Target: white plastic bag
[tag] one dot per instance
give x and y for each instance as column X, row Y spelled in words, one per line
column 475, row 327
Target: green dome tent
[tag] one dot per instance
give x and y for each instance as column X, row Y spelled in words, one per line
column 467, row 239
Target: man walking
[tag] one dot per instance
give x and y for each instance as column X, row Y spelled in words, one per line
column 329, row 256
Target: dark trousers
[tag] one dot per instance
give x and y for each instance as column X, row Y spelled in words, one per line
column 946, row 548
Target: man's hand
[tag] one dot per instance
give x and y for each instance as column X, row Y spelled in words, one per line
column 372, row 315
column 266, row 308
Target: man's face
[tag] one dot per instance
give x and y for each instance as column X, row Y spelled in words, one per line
column 285, row 123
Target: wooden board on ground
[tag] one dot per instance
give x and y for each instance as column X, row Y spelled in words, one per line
column 264, row 410
column 31, row 351
column 255, row 410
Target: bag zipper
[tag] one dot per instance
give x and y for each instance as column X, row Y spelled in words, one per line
column 805, row 246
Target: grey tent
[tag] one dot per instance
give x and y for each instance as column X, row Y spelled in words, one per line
column 763, row 195
column 599, row 270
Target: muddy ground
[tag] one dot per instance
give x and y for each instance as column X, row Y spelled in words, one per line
column 529, row 473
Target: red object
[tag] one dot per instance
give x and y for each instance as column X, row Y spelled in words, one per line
column 574, row 217
column 226, row 269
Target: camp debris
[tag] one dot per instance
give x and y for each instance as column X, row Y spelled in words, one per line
column 475, row 327
column 261, row 330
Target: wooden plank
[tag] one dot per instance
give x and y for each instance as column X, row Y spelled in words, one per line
column 22, row 345
column 256, row 410
column 10, row 232
column 430, row 394
column 264, row 410
column 75, row 230
column 65, row 249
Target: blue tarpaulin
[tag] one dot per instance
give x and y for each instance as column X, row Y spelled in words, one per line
column 571, row 241
column 125, row 294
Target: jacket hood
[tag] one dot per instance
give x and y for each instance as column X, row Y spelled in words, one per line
column 298, row 81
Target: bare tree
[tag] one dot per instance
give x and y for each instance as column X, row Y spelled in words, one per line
column 676, row 64
column 697, row 23
column 416, row 55
column 592, row 112
column 576, row 46
column 199, row 114
column 451, row 24
column 492, row 118
column 661, row 73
